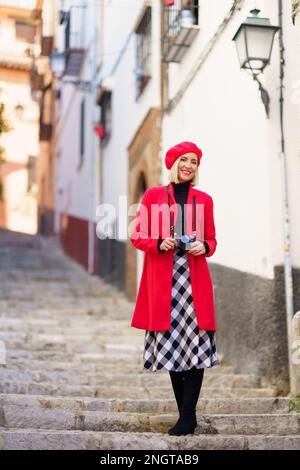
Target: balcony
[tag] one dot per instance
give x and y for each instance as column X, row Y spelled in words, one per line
column 73, row 21
column 104, row 100
column 180, row 29
column 74, row 61
column 143, row 50
column 46, row 112
column 17, row 55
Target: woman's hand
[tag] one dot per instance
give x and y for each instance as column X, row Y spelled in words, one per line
column 198, row 248
column 168, row 244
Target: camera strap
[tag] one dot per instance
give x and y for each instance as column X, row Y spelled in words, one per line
column 194, row 209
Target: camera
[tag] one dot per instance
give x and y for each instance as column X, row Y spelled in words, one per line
column 185, row 241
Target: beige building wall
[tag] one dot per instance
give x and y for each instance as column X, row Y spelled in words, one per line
column 46, row 99
column 19, row 204
column 20, row 146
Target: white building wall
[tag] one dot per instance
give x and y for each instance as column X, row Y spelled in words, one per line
column 291, row 130
column 117, row 66
column 222, row 112
column 74, row 180
column 127, row 113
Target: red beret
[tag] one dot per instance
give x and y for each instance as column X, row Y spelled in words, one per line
column 180, row 149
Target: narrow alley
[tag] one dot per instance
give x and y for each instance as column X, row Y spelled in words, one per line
column 72, row 375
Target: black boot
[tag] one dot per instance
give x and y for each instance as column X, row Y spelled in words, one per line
column 174, row 428
column 177, row 380
column 192, row 386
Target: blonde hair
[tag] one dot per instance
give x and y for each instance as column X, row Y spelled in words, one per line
column 173, row 174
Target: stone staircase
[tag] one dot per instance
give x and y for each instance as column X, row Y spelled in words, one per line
column 74, row 379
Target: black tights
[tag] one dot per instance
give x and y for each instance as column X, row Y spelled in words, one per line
column 187, row 386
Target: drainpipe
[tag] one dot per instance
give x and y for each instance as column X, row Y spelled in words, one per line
column 92, row 159
column 288, row 279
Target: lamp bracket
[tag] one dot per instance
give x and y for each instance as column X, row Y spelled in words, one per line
column 263, row 94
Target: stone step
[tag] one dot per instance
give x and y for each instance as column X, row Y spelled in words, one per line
column 74, row 375
column 127, row 353
column 60, row 317
column 45, row 296
column 41, row 301
column 71, row 286
column 79, row 333
column 52, row 310
column 97, row 317
column 81, row 307
column 52, row 285
column 27, row 439
column 64, row 347
column 57, row 278
column 44, row 388
column 15, row 340
column 54, row 307
column 18, row 417
column 54, row 276
column 161, row 406
column 100, row 361
column 142, row 379
column 100, row 366
column 59, row 326
column 111, row 357
column 112, row 354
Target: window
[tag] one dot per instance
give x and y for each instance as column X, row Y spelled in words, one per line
column 81, row 133
column 73, row 22
column 24, row 32
column 181, row 26
column 174, row 12
column 193, row 7
column 105, row 103
column 31, row 168
column 46, row 113
column 143, row 51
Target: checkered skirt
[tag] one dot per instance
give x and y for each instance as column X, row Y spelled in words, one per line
column 184, row 346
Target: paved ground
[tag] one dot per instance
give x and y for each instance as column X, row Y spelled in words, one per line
column 74, row 378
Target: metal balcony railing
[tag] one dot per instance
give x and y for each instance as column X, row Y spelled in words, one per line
column 74, row 38
column 180, row 28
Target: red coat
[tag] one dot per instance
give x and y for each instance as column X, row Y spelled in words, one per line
column 153, row 303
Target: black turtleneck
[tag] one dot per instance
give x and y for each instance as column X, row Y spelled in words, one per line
column 181, row 194
column 181, row 191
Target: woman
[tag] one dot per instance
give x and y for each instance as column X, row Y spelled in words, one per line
column 175, row 301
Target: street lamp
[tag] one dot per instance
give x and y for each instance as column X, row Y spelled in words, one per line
column 254, row 41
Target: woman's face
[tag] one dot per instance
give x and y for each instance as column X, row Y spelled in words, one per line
column 187, row 167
